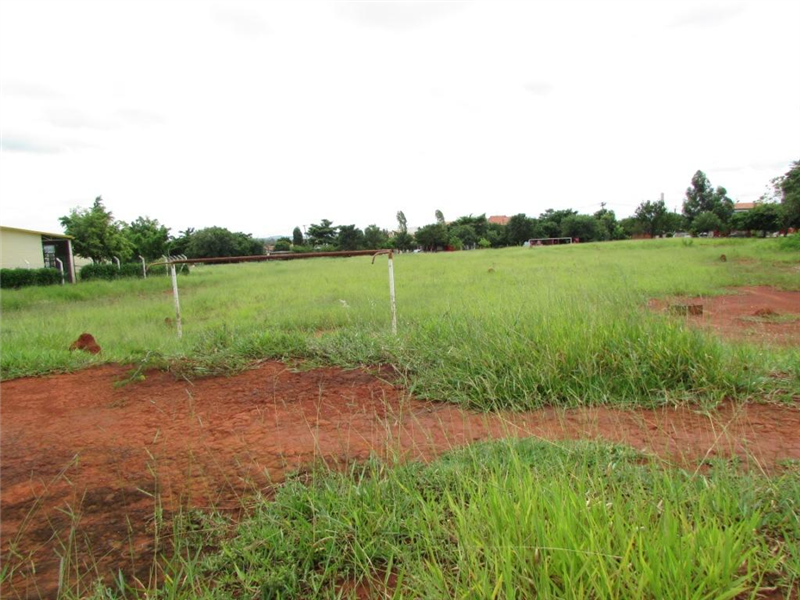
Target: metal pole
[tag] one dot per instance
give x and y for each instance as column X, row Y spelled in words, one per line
column 116, row 260
column 61, row 269
column 144, row 266
column 177, row 301
column 391, row 293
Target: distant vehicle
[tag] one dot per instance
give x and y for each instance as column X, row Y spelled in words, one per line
column 682, row 234
column 704, row 234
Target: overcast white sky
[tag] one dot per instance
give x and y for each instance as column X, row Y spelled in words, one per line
column 259, row 116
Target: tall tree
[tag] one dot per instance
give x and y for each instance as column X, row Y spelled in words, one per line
column 215, row 242
column 519, row 229
column 652, row 216
column 322, row 234
column 297, row 237
column 787, row 187
column 479, row 224
column 583, row 227
column 706, row 221
column 702, row 197
column 765, row 218
column 432, row 236
column 402, row 222
column 179, row 244
column 147, row 237
column 440, row 218
column 497, row 235
column 465, row 234
column 349, row 238
column 375, row 237
column 96, row 234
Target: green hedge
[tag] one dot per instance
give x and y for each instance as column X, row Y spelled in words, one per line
column 17, row 278
column 109, row 271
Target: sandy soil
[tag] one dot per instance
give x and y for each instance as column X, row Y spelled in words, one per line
column 755, row 314
column 78, row 451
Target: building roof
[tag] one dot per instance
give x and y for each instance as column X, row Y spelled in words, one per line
column 47, row 233
column 744, row 206
column 499, row 219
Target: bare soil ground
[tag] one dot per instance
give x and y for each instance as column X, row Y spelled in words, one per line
column 755, row 314
column 82, row 456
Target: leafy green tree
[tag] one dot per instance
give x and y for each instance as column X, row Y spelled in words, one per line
column 147, row 237
column 497, row 235
column 215, row 242
column 349, row 238
column 549, row 223
column 702, row 197
column 432, row 236
column 402, row 222
column 673, row 222
column 465, row 233
column 375, row 237
column 96, row 234
column 607, row 226
column 283, row 244
column 631, row 226
column 479, row 224
column 455, row 243
column 766, row 217
column 787, row 188
column 652, row 217
column 583, row 227
column 483, row 243
column 519, row 229
column 180, row 244
column 706, row 221
column 402, row 241
column 440, row 218
column 297, row 237
column 322, row 234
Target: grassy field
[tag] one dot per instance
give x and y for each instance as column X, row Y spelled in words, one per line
column 514, row 328
column 507, row 519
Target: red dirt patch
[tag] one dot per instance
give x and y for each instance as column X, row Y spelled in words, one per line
column 87, row 343
column 732, row 315
column 76, row 444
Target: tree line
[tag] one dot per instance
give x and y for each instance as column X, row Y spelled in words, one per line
column 97, row 235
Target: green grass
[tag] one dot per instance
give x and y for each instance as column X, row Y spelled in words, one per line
column 514, row 328
column 507, row 519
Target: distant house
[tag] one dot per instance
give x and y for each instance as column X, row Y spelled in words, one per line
column 499, row 219
column 29, row 249
column 743, row 206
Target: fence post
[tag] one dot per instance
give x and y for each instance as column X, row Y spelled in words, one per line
column 61, row 269
column 175, row 297
column 392, row 302
column 116, row 260
column 144, row 267
column 391, row 293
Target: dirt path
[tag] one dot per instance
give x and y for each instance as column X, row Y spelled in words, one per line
column 754, row 314
column 79, row 454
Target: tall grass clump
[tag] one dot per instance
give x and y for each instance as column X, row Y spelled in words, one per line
column 514, row 328
column 514, row 519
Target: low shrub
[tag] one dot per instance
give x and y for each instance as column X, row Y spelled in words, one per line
column 110, row 271
column 17, row 278
column 790, row 243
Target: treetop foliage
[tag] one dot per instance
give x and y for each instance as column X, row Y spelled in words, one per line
column 706, row 208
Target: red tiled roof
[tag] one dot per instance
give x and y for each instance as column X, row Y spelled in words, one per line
column 499, row 219
column 744, row 206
